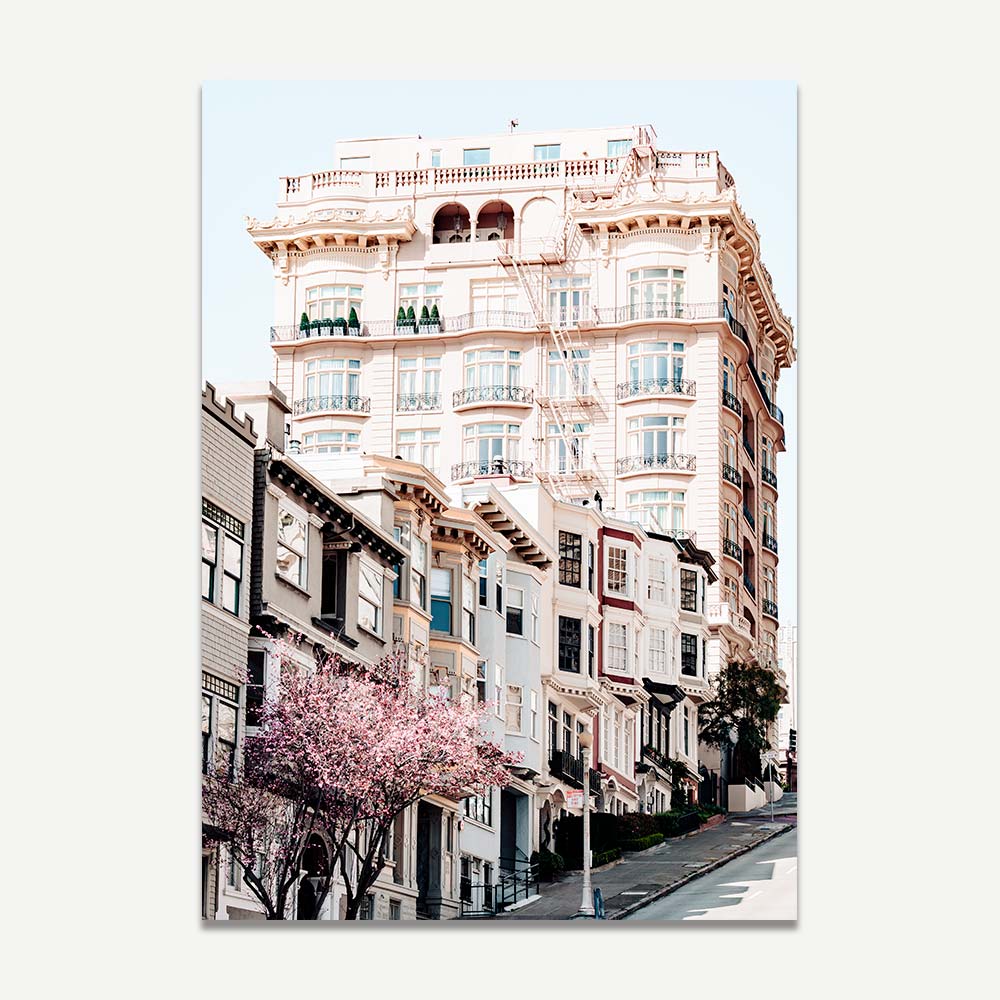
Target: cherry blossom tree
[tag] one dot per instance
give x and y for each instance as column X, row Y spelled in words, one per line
column 343, row 750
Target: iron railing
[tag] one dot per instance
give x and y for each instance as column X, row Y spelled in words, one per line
column 750, row 588
column 316, row 404
column 480, row 319
column 732, row 475
column 634, row 463
column 769, row 476
column 660, row 759
column 777, row 414
column 731, row 548
column 491, row 394
column 748, row 514
column 595, row 782
column 749, row 449
column 418, row 401
column 770, row 608
column 728, row 399
column 566, row 767
column 638, row 311
column 655, row 387
column 770, row 542
column 491, row 467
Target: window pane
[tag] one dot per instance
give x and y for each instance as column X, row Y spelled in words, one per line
column 474, row 157
column 209, row 536
column 233, row 556
column 231, row 594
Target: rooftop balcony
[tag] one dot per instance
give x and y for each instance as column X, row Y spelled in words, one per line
column 484, row 395
column 332, row 404
column 655, row 387
column 655, row 463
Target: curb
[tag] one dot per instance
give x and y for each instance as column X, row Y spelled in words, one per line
column 674, row 886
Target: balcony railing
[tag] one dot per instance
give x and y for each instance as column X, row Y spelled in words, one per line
column 651, row 753
column 492, row 394
column 749, row 450
column 732, row 475
column 638, row 311
column 316, row 404
column 419, row 401
column 566, row 767
column 739, row 330
column 770, row 542
column 731, row 548
column 750, row 588
column 748, row 514
column 656, row 387
column 769, row 477
column 730, row 401
column 595, row 782
column 492, row 467
column 485, row 319
column 770, row 608
column 777, row 414
column 723, row 614
column 635, row 463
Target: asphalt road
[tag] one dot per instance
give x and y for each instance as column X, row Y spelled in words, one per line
column 760, row 885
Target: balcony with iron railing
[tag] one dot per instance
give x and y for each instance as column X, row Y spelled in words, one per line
column 595, row 782
column 748, row 585
column 645, row 312
column 748, row 514
column 739, row 330
column 748, row 448
column 332, row 404
column 646, row 463
column 655, row 387
column 769, row 542
column 768, row 476
column 485, row 319
column 732, row 549
column 770, row 608
column 417, row 402
column 651, row 753
column 565, row 767
column 513, row 395
column 732, row 475
column 731, row 402
column 649, row 521
column 512, row 467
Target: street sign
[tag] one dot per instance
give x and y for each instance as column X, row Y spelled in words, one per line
column 574, row 800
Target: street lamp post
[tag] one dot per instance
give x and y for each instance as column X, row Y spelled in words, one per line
column 587, row 899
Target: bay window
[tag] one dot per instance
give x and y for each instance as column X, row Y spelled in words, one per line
column 332, row 380
column 515, row 695
column 655, row 365
column 770, row 591
column 534, row 619
column 658, row 650
column 655, row 436
column 534, row 714
column 570, row 558
column 441, row 600
column 553, row 720
column 331, row 443
column 689, row 590
column 659, row 510
column 421, row 446
column 333, row 301
column 618, row 579
column 515, row 611
column 618, row 661
column 569, row 299
column 292, row 548
column 484, row 580
column 656, row 292
column 370, row 597
column 569, row 644
column 486, row 369
column 486, row 443
column 766, row 453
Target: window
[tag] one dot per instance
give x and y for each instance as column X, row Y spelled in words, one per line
column 534, row 714
column 769, row 587
column 658, row 510
column 475, row 157
column 591, row 650
column 469, row 609
column 618, row 648
column 658, row 650
column 569, row 301
column 499, row 580
column 515, row 611
column 729, row 376
column 655, row 366
column 367, row 911
column 567, row 733
column 534, row 619
column 657, row 590
column 331, row 442
column 420, row 446
column 395, row 909
column 617, row 570
column 401, row 533
column 219, row 712
column 292, row 545
column 515, row 695
column 355, row 162
column 484, row 582
column 219, row 528
column 766, row 453
column 441, row 600
column 370, row 598
column 689, row 654
column 619, row 147
column 591, row 562
column 570, row 558
column 689, row 590
column 498, row 691
column 418, row 384
column 333, row 301
column 767, row 518
column 569, row 644
column 209, row 559
column 569, row 373
column 256, row 666
column 655, row 437
column 435, row 157
column 481, row 680
column 730, row 454
column 729, row 523
column 232, row 872
column 496, row 295
column 687, row 731
column 491, row 444
column 548, row 151
column 479, row 808
column 656, row 293
column 731, row 593
column 418, row 569
column 330, row 380
column 488, row 369
column 415, row 297
column 567, row 446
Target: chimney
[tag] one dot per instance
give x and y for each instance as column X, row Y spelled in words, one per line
column 268, row 406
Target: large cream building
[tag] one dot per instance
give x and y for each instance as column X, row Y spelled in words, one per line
column 604, row 324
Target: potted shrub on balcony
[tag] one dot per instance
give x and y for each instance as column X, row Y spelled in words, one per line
column 316, row 326
column 402, row 326
column 353, row 323
column 340, row 324
column 435, row 320
column 411, row 319
column 326, row 327
column 425, row 321
column 304, row 325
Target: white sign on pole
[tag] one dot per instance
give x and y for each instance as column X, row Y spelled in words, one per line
column 574, row 800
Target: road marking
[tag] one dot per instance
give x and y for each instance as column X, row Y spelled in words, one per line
column 792, row 869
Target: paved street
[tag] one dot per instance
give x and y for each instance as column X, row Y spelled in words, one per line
column 759, row 885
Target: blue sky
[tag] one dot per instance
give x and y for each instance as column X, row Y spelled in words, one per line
column 255, row 132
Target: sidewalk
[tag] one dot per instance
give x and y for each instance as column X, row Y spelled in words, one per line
column 647, row 875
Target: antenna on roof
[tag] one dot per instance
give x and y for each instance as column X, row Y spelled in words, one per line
column 512, row 124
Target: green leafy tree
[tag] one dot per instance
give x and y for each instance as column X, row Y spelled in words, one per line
column 746, row 699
